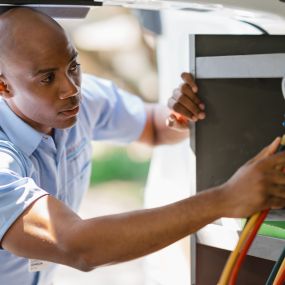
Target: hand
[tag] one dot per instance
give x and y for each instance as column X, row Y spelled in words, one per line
column 185, row 104
column 257, row 185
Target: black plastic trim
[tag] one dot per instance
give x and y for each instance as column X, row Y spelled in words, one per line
column 50, row 2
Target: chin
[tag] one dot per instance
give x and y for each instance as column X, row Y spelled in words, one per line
column 66, row 124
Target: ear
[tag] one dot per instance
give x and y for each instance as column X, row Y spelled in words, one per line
column 4, row 89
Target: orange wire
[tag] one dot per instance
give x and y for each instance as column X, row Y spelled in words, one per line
column 280, row 277
column 243, row 252
column 224, row 278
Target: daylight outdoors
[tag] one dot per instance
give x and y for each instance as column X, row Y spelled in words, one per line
column 112, row 45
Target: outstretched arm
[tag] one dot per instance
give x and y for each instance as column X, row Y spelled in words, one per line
column 50, row 231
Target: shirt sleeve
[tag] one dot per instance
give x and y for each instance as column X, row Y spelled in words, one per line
column 114, row 114
column 17, row 193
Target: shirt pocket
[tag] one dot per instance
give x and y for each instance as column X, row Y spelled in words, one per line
column 78, row 159
column 78, row 168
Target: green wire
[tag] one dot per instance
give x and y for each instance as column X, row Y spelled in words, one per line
column 275, row 269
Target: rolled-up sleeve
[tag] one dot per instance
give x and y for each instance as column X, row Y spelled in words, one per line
column 16, row 194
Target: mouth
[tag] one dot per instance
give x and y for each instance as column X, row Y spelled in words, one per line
column 70, row 112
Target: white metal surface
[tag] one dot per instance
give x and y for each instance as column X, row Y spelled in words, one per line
column 261, row 12
column 241, row 66
column 225, row 238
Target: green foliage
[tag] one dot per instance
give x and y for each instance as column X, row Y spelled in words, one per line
column 117, row 165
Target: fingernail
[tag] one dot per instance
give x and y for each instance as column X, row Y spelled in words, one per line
column 202, row 106
column 202, row 116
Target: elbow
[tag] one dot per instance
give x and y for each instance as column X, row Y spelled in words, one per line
column 80, row 251
column 80, row 260
column 84, row 265
column 86, row 261
column 80, row 257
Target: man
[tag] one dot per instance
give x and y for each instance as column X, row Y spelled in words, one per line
column 47, row 120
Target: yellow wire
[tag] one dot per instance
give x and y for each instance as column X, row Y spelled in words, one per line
column 234, row 255
column 279, row 273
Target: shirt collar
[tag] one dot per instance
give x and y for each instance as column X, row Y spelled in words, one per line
column 19, row 132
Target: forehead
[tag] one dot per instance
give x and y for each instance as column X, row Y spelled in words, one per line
column 35, row 54
column 33, row 39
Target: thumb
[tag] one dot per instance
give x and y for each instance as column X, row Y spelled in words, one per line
column 270, row 149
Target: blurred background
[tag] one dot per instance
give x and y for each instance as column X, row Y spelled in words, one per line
column 113, row 45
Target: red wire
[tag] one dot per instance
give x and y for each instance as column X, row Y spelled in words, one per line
column 243, row 252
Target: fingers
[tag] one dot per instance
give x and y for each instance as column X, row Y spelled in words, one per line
column 185, row 100
column 181, row 109
column 278, row 191
column 275, row 177
column 188, row 78
column 273, row 147
column 275, row 161
column 276, row 203
column 269, row 150
column 184, row 106
column 187, row 89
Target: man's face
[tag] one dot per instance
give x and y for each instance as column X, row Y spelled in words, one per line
column 43, row 79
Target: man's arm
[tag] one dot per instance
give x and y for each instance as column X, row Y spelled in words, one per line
column 165, row 127
column 50, row 231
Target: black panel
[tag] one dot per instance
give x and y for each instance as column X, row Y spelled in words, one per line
column 216, row 45
column 211, row 261
column 55, row 9
column 243, row 115
column 51, row 2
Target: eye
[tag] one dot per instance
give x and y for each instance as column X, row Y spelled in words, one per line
column 74, row 67
column 48, row 79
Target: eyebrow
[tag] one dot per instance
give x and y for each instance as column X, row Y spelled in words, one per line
column 48, row 70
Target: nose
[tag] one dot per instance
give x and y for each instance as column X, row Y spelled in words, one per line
column 68, row 88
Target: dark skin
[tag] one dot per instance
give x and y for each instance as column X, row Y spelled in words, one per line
column 40, row 98
column 39, row 90
column 48, row 229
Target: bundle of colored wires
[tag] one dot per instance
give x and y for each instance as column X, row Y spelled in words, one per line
column 243, row 252
column 236, row 258
column 245, row 240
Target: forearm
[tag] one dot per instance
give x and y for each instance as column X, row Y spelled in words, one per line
column 50, row 231
column 123, row 237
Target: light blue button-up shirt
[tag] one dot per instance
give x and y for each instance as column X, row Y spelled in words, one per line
column 33, row 164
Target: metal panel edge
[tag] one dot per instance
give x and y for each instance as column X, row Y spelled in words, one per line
column 224, row 238
column 193, row 191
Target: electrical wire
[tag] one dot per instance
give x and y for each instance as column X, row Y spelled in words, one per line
column 280, row 277
column 247, row 236
column 234, row 255
column 275, row 269
column 243, row 252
